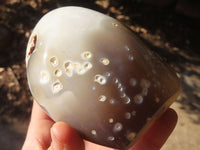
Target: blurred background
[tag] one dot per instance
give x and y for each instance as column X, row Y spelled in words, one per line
column 169, row 27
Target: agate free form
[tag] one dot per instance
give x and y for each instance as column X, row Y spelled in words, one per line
column 87, row 69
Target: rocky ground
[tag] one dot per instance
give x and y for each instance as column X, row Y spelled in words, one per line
column 169, row 28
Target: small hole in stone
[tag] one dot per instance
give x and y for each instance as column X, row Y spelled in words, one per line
column 130, row 57
column 117, row 127
column 105, row 61
column 133, row 82
column 68, row 64
column 76, row 66
column 102, row 98
column 58, row 72
column 57, row 87
column 86, row 55
column 96, row 77
column 122, row 95
column 128, row 115
column 68, row 68
column 119, row 85
column 111, row 120
column 127, row 48
column 115, row 24
column 121, row 89
column 112, row 101
column 86, row 65
column 53, row 61
column 130, row 136
column 116, row 80
column 133, row 113
column 100, row 79
column 93, row 88
column 111, row 138
column 145, row 83
column 144, row 91
column 44, row 77
column 126, row 100
column 94, row 132
column 138, row 99
column 108, row 74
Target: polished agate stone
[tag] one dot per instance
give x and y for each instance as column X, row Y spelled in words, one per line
column 90, row 71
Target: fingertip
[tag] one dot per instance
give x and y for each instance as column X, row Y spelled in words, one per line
column 64, row 136
column 170, row 113
column 60, row 130
column 167, row 121
column 157, row 135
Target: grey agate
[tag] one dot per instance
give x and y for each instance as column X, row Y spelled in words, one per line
column 87, row 69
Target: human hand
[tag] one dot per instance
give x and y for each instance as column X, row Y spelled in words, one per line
column 44, row 134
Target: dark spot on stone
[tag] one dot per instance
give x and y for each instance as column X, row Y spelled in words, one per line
column 33, row 44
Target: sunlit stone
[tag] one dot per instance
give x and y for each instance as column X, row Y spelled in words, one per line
column 89, row 70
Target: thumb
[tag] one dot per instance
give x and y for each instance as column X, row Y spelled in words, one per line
column 65, row 138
